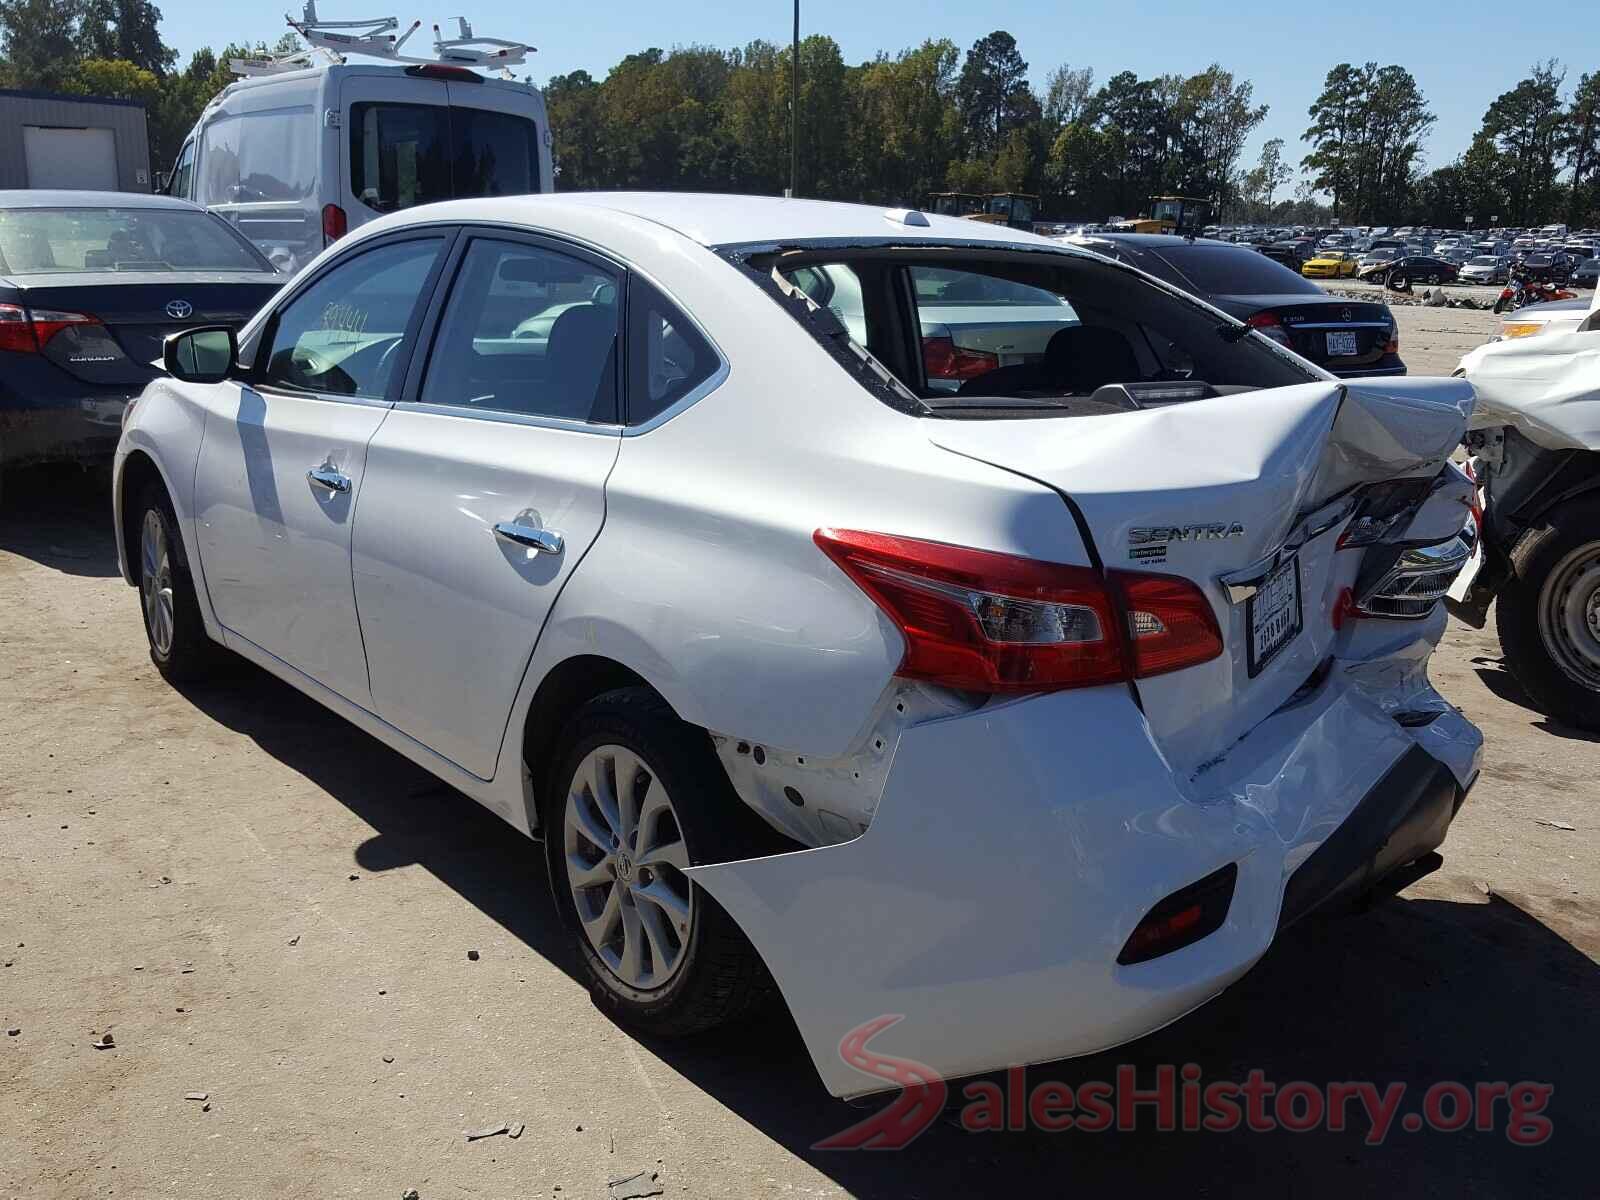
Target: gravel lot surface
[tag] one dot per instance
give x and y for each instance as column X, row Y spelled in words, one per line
column 264, row 905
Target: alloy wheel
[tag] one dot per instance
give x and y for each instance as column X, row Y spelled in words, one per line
column 155, row 582
column 625, row 860
column 1569, row 615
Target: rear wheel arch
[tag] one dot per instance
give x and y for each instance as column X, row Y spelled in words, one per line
column 565, row 689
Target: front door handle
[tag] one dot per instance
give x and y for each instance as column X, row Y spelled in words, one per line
column 542, row 541
column 328, row 478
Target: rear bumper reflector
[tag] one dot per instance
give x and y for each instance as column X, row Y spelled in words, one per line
column 1183, row 918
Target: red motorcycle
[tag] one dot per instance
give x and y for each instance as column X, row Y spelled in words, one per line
column 1518, row 293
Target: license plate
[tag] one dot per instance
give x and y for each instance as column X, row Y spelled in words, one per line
column 1273, row 614
column 1342, row 344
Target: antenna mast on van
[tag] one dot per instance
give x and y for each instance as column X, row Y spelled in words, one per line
column 376, row 38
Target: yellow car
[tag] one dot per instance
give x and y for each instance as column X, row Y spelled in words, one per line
column 1330, row 264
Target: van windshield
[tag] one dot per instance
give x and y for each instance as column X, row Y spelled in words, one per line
column 407, row 154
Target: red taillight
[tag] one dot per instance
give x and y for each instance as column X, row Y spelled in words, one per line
column 1268, row 324
column 1170, row 623
column 16, row 331
column 334, row 224
column 1392, row 346
column 28, row 333
column 943, row 359
column 981, row 621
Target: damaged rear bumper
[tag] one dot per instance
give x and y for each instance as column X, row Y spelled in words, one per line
column 1016, row 848
column 1403, row 818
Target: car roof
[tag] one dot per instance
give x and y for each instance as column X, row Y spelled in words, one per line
column 724, row 220
column 66, row 198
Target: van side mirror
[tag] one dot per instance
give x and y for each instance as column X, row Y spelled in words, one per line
column 205, row 355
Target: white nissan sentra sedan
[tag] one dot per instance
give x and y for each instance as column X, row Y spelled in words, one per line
column 905, row 661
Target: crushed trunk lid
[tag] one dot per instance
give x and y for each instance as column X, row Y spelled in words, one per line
column 1227, row 488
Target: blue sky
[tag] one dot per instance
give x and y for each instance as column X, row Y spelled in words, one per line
column 1463, row 52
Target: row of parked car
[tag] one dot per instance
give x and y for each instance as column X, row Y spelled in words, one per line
column 1407, row 256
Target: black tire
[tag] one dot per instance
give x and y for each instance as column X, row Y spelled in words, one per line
column 720, row 976
column 1500, row 305
column 189, row 654
column 1433, row 280
column 1526, row 636
column 1399, row 283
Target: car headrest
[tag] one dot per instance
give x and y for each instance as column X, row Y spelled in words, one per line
column 1081, row 358
column 579, row 353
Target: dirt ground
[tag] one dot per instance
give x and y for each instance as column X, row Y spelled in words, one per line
column 262, row 904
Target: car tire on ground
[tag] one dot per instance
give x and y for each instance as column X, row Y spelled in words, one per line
column 179, row 645
column 636, row 796
column 1399, row 283
column 1548, row 614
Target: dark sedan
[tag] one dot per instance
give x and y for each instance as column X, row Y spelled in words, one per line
column 1586, row 274
column 1344, row 337
column 1419, row 268
column 91, row 283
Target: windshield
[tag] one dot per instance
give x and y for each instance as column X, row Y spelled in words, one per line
column 1228, row 271
column 41, row 241
column 403, row 155
column 1483, row 262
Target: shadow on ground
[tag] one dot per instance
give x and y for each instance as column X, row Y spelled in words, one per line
column 60, row 517
column 1415, row 991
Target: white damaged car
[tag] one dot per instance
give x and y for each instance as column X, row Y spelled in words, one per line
column 1535, row 446
column 1021, row 687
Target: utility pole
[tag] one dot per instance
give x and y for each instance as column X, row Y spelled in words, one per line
column 794, row 107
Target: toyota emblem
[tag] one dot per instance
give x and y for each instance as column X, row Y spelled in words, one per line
column 1344, row 314
column 178, row 310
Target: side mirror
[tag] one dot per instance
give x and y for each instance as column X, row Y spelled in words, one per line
column 206, row 355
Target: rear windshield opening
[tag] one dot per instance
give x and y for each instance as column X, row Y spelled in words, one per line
column 969, row 329
column 403, row 155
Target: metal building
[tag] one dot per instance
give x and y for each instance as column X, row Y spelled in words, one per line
column 53, row 141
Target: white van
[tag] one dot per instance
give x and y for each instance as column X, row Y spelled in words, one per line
column 298, row 158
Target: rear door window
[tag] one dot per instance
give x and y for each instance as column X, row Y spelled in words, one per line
column 403, row 155
column 528, row 331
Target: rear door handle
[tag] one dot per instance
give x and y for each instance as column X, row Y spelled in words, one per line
column 329, row 479
column 542, row 541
